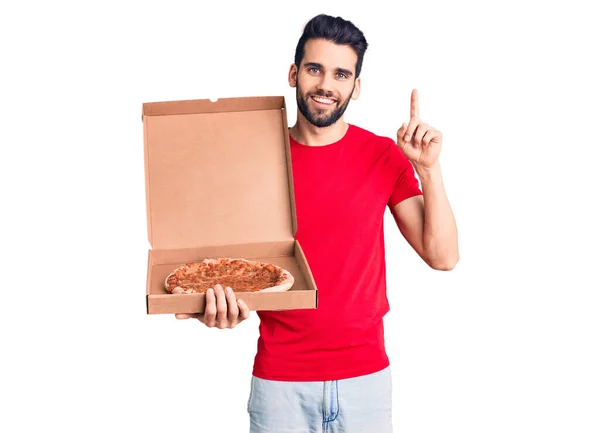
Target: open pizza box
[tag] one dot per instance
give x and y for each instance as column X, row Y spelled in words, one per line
column 219, row 184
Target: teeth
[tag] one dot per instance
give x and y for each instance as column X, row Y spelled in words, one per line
column 323, row 100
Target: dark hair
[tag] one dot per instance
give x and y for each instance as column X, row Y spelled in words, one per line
column 334, row 29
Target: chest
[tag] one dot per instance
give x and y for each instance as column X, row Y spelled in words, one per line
column 338, row 190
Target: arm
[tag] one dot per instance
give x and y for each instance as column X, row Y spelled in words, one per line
column 427, row 222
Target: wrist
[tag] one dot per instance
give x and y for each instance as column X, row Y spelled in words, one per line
column 426, row 173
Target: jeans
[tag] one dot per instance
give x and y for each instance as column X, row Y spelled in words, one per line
column 359, row 404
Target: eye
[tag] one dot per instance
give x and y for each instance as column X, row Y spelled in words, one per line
column 342, row 75
column 313, row 70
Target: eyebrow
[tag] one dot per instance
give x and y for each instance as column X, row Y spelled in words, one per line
column 320, row 66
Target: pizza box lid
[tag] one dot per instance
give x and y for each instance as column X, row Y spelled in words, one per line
column 218, row 173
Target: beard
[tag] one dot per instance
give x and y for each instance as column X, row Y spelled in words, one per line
column 318, row 117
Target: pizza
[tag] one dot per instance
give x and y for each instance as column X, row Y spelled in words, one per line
column 240, row 274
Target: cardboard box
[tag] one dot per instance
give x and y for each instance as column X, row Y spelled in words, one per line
column 219, row 184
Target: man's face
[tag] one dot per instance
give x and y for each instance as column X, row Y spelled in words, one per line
column 325, row 81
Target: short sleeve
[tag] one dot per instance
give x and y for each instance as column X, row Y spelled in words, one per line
column 405, row 183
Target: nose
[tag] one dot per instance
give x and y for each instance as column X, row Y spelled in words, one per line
column 326, row 83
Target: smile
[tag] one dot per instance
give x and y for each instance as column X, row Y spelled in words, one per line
column 322, row 100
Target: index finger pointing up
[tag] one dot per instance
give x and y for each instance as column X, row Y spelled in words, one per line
column 414, row 104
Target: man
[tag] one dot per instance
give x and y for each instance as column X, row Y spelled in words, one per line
column 326, row 370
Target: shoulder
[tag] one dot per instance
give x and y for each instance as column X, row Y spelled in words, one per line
column 367, row 138
column 379, row 145
column 384, row 151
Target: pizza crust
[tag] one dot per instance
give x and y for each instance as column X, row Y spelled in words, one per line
column 286, row 279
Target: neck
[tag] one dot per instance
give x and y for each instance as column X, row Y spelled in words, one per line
column 310, row 135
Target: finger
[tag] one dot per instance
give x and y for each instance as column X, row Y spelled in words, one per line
column 232, row 307
column 182, row 316
column 430, row 135
column 401, row 131
column 210, row 311
column 400, row 135
column 221, row 307
column 410, row 130
column 420, row 133
column 244, row 310
column 414, row 104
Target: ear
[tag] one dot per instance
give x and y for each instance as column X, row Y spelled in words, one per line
column 293, row 75
column 356, row 91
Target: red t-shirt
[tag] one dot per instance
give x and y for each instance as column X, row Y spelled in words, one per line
column 341, row 191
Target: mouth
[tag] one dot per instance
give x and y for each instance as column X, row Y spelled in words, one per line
column 322, row 101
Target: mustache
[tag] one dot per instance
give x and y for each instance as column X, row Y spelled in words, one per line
column 323, row 94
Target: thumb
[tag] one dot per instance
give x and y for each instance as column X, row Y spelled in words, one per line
column 181, row 316
column 401, row 133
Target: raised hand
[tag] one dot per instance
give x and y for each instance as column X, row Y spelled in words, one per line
column 420, row 142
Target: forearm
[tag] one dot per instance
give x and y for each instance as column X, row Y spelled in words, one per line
column 440, row 237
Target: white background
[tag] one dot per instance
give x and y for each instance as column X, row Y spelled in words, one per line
column 507, row 341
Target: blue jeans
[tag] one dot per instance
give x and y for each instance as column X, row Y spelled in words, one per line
column 359, row 404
